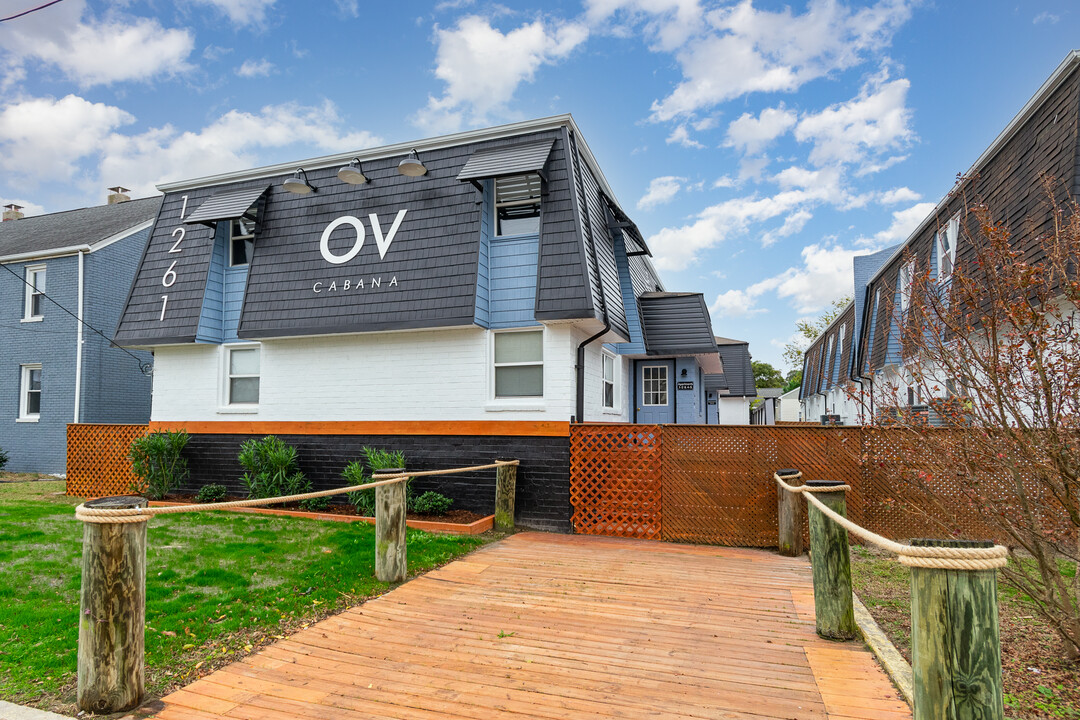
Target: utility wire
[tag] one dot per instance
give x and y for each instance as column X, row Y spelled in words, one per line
column 31, row 10
column 146, row 368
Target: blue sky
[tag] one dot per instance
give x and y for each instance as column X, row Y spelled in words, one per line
column 758, row 145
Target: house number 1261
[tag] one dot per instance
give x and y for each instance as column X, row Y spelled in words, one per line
column 169, row 278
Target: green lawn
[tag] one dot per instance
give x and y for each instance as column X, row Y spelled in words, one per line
column 218, row 585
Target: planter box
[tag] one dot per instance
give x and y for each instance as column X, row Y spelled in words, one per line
column 480, row 526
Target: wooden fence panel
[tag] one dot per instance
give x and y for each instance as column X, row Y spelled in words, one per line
column 615, row 480
column 717, row 480
column 97, row 459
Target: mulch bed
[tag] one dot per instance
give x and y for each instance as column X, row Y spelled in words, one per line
column 1038, row 683
column 463, row 517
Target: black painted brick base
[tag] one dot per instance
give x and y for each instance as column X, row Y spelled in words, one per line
column 543, row 478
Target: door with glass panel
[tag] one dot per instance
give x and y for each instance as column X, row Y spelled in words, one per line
column 655, row 394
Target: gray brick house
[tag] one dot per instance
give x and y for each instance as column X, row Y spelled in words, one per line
column 55, row 370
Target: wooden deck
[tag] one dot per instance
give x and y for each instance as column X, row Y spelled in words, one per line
column 563, row 627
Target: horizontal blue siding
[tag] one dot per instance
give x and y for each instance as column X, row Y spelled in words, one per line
column 483, row 270
column 211, row 317
column 513, row 281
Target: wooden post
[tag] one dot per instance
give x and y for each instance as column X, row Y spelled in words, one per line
column 830, row 558
column 112, row 612
column 789, row 516
column 391, row 564
column 955, row 646
column 505, row 490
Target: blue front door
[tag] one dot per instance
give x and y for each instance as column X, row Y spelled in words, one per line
column 655, row 392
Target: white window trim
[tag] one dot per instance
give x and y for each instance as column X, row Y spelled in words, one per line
column 28, row 294
column 667, row 386
column 616, row 405
column 511, row 404
column 905, row 279
column 24, row 388
column 237, row 237
column 951, row 231
column 224, row 407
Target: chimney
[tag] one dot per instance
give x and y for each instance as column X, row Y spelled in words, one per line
column 119, row 195
column 13, row 212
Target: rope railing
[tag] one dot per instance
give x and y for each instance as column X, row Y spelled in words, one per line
column 955, row 639
column 941, row 558
column 110, row 516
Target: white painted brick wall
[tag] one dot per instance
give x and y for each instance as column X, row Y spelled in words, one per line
column 733, row 410
column 423, row 375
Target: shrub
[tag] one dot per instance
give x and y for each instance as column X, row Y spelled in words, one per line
column 271, row 468
column 158, row 463
column 355, row 474
column 431, row 503
column 211, row 493
column 315, row 504
column 3, row 458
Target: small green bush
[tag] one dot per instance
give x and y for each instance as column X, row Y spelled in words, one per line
column 356, row 474
column 271, row 468
column 431, row 503
column 3, row 458
column 211, row 493
column 159, row 464
column 315, row 504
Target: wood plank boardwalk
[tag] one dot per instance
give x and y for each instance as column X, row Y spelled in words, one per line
column 561, row 627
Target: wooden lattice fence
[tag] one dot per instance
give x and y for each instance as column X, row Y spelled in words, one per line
column 97, row 459
column 713, row 484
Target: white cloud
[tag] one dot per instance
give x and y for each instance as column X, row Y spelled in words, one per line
column 242, row 12
column 255, row 68
column 668, row 22
column 875, row 121
column 680, row 135
column 739, row 49
column 349, row 8
column 93, row 51
column 751, row 135
column 898, row 195
column 215, row 52
column 724, row 181
column 44, row 139
column 734, row 304
column 1045, row 17
column 72, row 138
column 482, row 68
column 793, row 224
column 903, row 224
column 661, row 190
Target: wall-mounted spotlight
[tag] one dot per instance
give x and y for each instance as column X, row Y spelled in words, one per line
column 297, row 186
column 352, row 173
column 411, row 166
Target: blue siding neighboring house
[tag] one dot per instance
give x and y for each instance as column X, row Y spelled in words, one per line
column 54, row 370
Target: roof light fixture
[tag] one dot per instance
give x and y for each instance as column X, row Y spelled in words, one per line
column 411, row 166
column 352, row 173
column 297, row 186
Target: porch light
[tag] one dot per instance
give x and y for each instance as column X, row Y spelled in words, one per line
column 352, row 173
column 411, row 166
column 297, row 186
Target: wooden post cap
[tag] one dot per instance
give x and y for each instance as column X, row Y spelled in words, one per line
column 786, row 472
column 118, row 502
column 824, row 483
column 926, row 542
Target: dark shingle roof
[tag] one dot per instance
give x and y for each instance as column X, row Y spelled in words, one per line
column 738, row 375
column 74, row 227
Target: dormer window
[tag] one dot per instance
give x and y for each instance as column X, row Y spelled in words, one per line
column 241, row 241
column 517, row 205
column 946, row 248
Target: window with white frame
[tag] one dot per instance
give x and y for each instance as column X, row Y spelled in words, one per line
column 608, row 380
column 946, row 248
column 517, row 205
column 242, row 375
column 654, row 385
column 241, row 241
column 30, row 392
column 904, row 280
column 34, row 305
column 519, row 364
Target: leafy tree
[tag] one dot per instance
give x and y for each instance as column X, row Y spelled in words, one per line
column 766, row 376
column 994, row 351
column 808, row 330
column 794, row 380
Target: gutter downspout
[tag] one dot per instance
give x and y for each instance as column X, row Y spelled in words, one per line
column 79, row 340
